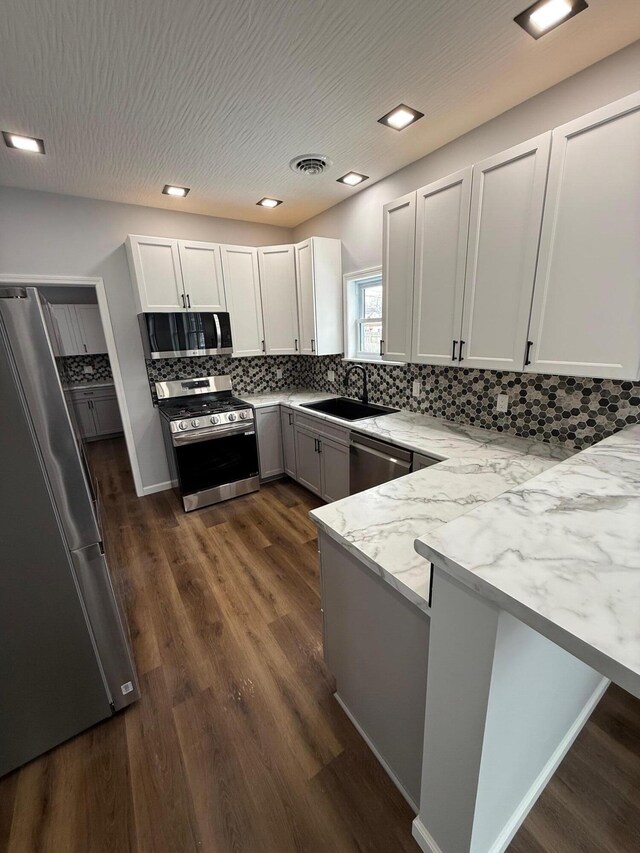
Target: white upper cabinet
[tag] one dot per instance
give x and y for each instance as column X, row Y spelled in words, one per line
column 585, row 318
column 202, row 276
column 156, row 272
column 279, row 301
column 319, row 285
column 79, row 329
column 242, row 288
column 442, row 226
column 398, row 242
column 66, row 330
column 91, row 333
column 507, row 199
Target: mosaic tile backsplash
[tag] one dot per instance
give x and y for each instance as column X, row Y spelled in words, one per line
column 561, row 409
column 71, row 368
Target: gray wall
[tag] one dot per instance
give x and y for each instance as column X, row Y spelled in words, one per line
column 57, row 235
column 358, row 220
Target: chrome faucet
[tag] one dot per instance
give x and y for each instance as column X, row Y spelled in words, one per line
column 349, row 371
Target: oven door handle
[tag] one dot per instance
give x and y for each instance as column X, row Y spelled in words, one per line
column 215, row 432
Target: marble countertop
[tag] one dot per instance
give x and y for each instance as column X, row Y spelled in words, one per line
column 380, row 526
column 420, row 433
column 86, row 386
column 561, row 552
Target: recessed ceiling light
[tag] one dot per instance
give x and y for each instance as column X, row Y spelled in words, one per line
column 546, row 15
column 177, row 192
column 399, row 118
column 23, row 143
column 269, row 202
column 352, row 179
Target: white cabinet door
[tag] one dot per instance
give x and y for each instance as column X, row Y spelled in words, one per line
column 335, row 470
column 107, row 416
column 269, row 433
column 442, row 228
column 242, row 288
column 507, row 199
column 586, row 305
column 279, row 301
column 67, row 333
column 156, row 273
column 90, row 329
column 398, row 242
column 202, row 276
column 327, row 295
column 306, row 305
column 319, row 284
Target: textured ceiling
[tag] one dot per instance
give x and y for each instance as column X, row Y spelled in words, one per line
column 219, row 96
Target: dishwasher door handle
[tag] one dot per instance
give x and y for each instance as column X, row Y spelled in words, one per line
column 385, row 456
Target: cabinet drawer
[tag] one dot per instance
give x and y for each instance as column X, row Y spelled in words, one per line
column 104, row 393
column 323, row 428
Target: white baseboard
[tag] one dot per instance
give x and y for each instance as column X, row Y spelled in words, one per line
column 158, row 487
column 373, row 749
column 422, row 835
column 528, row 801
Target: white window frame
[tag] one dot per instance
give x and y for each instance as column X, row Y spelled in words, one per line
column 354, row 283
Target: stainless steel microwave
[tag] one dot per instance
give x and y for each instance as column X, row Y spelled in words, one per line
column 186, row 333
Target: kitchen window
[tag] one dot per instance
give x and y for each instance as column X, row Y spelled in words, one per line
column 364, row 314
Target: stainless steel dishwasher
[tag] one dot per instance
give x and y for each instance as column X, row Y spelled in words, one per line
column 372, row 462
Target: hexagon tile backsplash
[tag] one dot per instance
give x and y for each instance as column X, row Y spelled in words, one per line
column 562, row 409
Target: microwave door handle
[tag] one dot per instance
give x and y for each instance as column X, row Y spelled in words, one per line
column 152, row 335
column 216, row 320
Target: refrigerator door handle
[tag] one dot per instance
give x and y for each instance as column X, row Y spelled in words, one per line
column 107, row 625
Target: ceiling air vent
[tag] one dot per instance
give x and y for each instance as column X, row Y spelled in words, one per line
column 310, row 164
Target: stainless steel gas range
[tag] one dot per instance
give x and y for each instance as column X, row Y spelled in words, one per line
column 210, row 438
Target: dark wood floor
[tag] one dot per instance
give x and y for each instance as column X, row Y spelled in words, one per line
column 237, row 745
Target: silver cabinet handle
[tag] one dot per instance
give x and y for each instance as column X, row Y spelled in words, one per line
column 381, row 347
column 85, row 347
column 264, row 349
column 183, row 302
column 296, row 344
column 290, row 419
column 313, row 344
column 188, row 301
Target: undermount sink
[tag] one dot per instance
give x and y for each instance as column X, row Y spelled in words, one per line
column 347, row 409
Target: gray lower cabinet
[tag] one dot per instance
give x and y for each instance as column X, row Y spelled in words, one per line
column 334, row 470
column 376, row 644
column 322, row 457
column 288, row 442
column 269, row 433
column 308, row 459
column 97, row 411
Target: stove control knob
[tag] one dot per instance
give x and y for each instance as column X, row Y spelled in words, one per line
column 195, row 423
column 243, row 416
column 232, row 416
column 215, row 419
column 183, row 425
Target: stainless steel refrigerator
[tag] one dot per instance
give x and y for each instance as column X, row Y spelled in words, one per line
column 65, row 660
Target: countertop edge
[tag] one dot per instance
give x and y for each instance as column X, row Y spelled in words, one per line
column 586, row 652
column 378, row 570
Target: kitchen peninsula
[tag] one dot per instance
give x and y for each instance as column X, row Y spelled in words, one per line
column 529, row 610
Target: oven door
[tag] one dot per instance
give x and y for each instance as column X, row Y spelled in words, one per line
column 216, row 464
